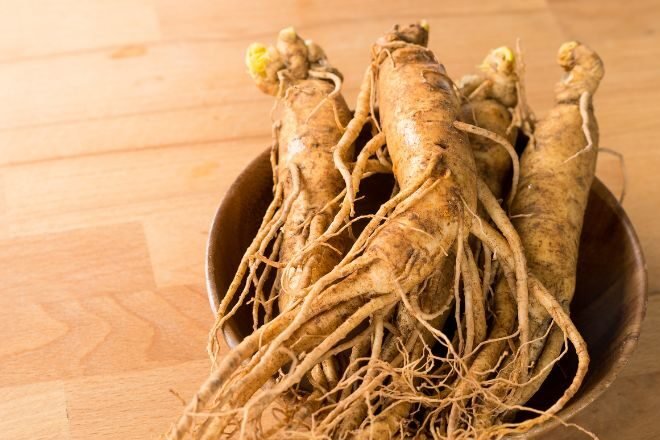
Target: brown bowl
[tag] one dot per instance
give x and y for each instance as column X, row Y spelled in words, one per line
column 610, row 295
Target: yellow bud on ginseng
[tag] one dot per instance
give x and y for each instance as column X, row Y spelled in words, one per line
column 501, row 59
column 257, row 59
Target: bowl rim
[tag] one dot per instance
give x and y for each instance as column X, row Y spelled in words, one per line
column 231, row 337
column 575, row 406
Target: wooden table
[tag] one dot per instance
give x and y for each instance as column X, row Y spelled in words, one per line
column 122, row 122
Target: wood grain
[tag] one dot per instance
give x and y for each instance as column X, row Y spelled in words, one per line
column 19, row 405
column 123, row 123
column 136, row 405
column 103, row 333
column 108, row 188
column 74, row 264
column 33, row 28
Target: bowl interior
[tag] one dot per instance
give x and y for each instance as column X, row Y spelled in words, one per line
column 608, row 306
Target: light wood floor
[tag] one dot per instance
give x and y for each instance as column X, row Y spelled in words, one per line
column 123, row 122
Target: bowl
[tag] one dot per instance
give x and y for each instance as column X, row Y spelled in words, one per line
column 608, row 307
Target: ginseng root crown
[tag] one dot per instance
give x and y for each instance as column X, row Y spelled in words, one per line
column 292, row 58
column 417, row 33
column 584, row 71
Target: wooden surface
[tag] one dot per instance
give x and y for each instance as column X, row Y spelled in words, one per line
column 123, row 122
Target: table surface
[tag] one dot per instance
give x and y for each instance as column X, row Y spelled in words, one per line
column 122, row 124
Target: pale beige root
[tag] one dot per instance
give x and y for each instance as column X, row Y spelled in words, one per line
column 384, row 398
column 478, row 287
column 360, row 170
column 310, row 114
column 492, row 113
column 560, row 317
column 555, row 191
column 466, row 385
column 489, row 271
column 260, row 299
column 622, row 166
column 563, row 321
column 331, row 372
column 391, row 47
column 341, row 221
column 475, row 313
column 391, row 399
column 515, row 262
column 303, row 166
column 483, row 428
column 359, row 351
column 491, row 99
column 500, row 430
column 499, row 217
column 352, row 131
column 433, row 303
column 475, row 317
column 270, row 359
column 308, row 414
column 547, row 357
column 437, row 295
column 493, row 174
column 309, row 110
column 273, row 219
column 260, row 400
column 387, row 423
column 356, row 415
column 309, row 146
column 238, row 391
column 490, row 354
column 335, row 421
